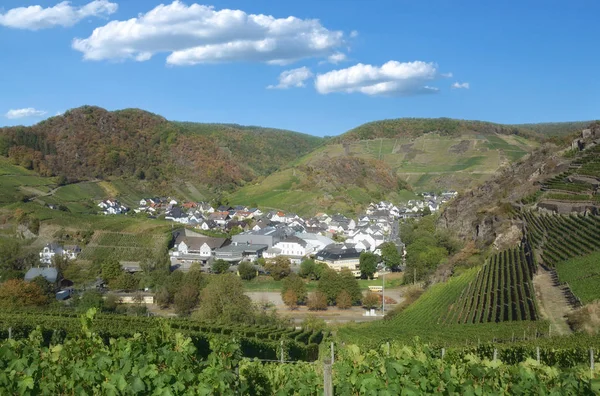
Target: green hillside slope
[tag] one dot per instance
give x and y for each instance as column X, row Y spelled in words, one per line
column 427, row 154
column 343, row 184
column 431, row 161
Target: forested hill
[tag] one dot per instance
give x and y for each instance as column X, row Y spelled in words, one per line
column 264, row 150
column 90, row 142
column 415, row 127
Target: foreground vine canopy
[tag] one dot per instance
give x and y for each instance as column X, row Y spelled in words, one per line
column 166, row 362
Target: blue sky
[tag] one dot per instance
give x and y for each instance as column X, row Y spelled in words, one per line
column 344, row 62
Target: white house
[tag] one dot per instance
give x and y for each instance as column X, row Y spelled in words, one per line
column 351, row 224
column 271, row 253
column 190, row 245
column 52, row 249
column 363, row 241
column 221, row 218
column 49, row 251
column 112, row 207
column 278, row 217
column 317, row 242
column 256, row 212
column 205, row 207
column 293, row 246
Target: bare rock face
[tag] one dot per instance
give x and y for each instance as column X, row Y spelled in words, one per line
column 483, row 214
column 24, row 232
column 511, row 237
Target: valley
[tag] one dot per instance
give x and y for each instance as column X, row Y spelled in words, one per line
column 303, row 198
column 507, row 263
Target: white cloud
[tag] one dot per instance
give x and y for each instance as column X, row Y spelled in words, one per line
column 63, row 14
column 293, row 78
column 392, row 78
column 353, row 34
column 458, row 85
column 200, row 34
column 24, row 113
column 336, row 58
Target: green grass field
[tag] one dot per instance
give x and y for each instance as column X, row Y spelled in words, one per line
column 8, row 168
column 583, row 276
column 127, row 224
column 80, row 192
column 14, row 188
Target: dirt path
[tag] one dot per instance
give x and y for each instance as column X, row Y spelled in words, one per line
column 552, row 303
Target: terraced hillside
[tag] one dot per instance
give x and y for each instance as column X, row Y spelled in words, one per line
column 342, row 184
column 570, row 246
column 502, row 291
column 434, row 160
column 432, row 317
column 124, row 247
column 574, row 189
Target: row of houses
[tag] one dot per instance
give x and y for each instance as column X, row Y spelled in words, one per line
column 112, row 207
column 432, row 201
column 276, row 233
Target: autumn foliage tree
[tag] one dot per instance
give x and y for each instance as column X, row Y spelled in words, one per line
column 16, row 293
column 295, row 283
column 343, row 300
column 279, row 267
column 290, row 298
column 317, row 301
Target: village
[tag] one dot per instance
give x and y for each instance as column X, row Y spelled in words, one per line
column 203, row 235
column 241, row 233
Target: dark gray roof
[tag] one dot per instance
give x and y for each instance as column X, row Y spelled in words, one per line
column 195, row 242
column 335, row 252
column 242, row 248
column 176, row 213
column 294, row 239
column 49, row 273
